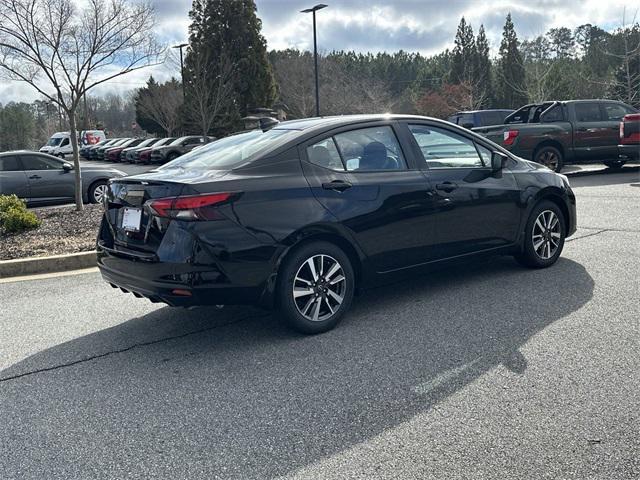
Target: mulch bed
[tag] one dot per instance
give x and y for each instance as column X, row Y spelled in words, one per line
column 63, row 230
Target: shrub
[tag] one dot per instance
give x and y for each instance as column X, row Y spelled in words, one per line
column 14, row 216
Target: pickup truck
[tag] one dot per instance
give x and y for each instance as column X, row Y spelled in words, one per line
column 629, row 147
column 559, row 133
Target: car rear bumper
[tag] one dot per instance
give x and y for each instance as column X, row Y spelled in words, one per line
column 192, row 266
column 160, row 283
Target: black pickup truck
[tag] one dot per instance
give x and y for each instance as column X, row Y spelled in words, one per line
column 558, row 133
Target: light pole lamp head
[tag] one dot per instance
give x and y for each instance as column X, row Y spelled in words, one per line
column 181, row 46
column 320, row 6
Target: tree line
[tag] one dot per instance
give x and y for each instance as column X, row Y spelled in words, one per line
column 228, row 71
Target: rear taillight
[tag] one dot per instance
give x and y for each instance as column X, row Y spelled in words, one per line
column 509, row 137
column 192, row 207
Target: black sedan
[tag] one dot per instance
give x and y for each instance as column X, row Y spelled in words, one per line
column 299, row 217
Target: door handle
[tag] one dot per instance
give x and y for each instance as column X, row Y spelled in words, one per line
column 337, row 185
column 34, row 177
column 446, row 186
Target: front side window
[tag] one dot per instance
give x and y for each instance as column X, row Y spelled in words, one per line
column 588, row 112
column 443, row 149
column 33, row 162
column 370, row 149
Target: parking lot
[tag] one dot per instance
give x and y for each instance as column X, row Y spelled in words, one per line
column 482, row 370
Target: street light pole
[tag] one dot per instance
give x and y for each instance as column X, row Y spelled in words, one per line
column 313, row 10
column 181, row 46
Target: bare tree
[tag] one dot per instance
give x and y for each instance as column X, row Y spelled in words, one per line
column 64, row 50
column 625, row 84
column 209, row 87
column 162, row 103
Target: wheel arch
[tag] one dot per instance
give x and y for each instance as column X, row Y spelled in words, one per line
column 553, row 195
column 548, row 142
column 305, row 237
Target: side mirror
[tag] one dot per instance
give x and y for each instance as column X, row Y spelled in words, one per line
column 498, row 161
column 67, row 167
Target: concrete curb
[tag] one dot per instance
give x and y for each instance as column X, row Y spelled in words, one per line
column 57, row 263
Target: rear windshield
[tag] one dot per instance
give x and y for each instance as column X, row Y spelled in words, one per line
column 230, row 152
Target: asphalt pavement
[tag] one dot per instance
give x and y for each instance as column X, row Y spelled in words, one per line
column 485, row 370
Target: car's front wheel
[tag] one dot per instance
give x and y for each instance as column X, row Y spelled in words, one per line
column 544, row 236
column 315, row 287
column 614, row 164
column 97, row 192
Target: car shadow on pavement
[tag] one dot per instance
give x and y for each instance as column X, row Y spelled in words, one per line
column 232, row 393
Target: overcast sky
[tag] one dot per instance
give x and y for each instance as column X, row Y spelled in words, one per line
column 425, row 26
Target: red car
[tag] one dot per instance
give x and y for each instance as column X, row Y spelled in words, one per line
column 113, row 154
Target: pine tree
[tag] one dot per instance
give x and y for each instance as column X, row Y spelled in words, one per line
column 464, row 55
column 511, row 74
column 147, row 124
column 483, row 68
column 230, row 29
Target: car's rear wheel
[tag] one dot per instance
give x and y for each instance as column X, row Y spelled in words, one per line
column 544, row 236
column 614, row 164
column 315, row 287
column 550, row 157
column 97, row 191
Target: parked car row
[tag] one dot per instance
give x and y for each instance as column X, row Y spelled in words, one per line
column 143, row 150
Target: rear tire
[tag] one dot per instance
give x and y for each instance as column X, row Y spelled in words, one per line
column 315, row 287
column 544, row 236
column 171, row 157
column 614, row 164
column 550, row 157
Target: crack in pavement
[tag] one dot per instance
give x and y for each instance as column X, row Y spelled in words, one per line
column 122, row 350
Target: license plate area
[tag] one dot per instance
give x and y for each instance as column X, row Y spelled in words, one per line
column 131, row 219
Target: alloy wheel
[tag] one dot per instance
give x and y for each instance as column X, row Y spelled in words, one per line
column 546, row 234
column 549, row 159
column 319, row 288
column 99, row 192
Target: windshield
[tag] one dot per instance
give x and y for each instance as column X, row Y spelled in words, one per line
column 164, row 141
column 148, row 141
column 230, row 152
column 54, row 141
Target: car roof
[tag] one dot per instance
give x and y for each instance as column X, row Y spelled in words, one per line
column 317, row 123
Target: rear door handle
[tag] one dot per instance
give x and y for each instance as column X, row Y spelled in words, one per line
column 446, row 186
column 337, row 185
column 34, row 177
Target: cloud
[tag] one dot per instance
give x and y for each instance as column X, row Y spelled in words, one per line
column 425, row 26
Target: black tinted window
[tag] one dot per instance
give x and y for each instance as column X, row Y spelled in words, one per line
column 370, row 149
column 9, row 164
column 588, row 112
column 325, row 154
column 34, row 162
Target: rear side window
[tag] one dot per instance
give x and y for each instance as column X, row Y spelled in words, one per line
column 370, row 149
column 325, row 154
column 492, row 118
column 443, row 149
column 615, row 111
column 9, row 164
column 588, row 112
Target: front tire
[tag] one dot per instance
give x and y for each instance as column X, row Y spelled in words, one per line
column 544, row 236
column 315, row 287
column 97, row 191
column 550, row 157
